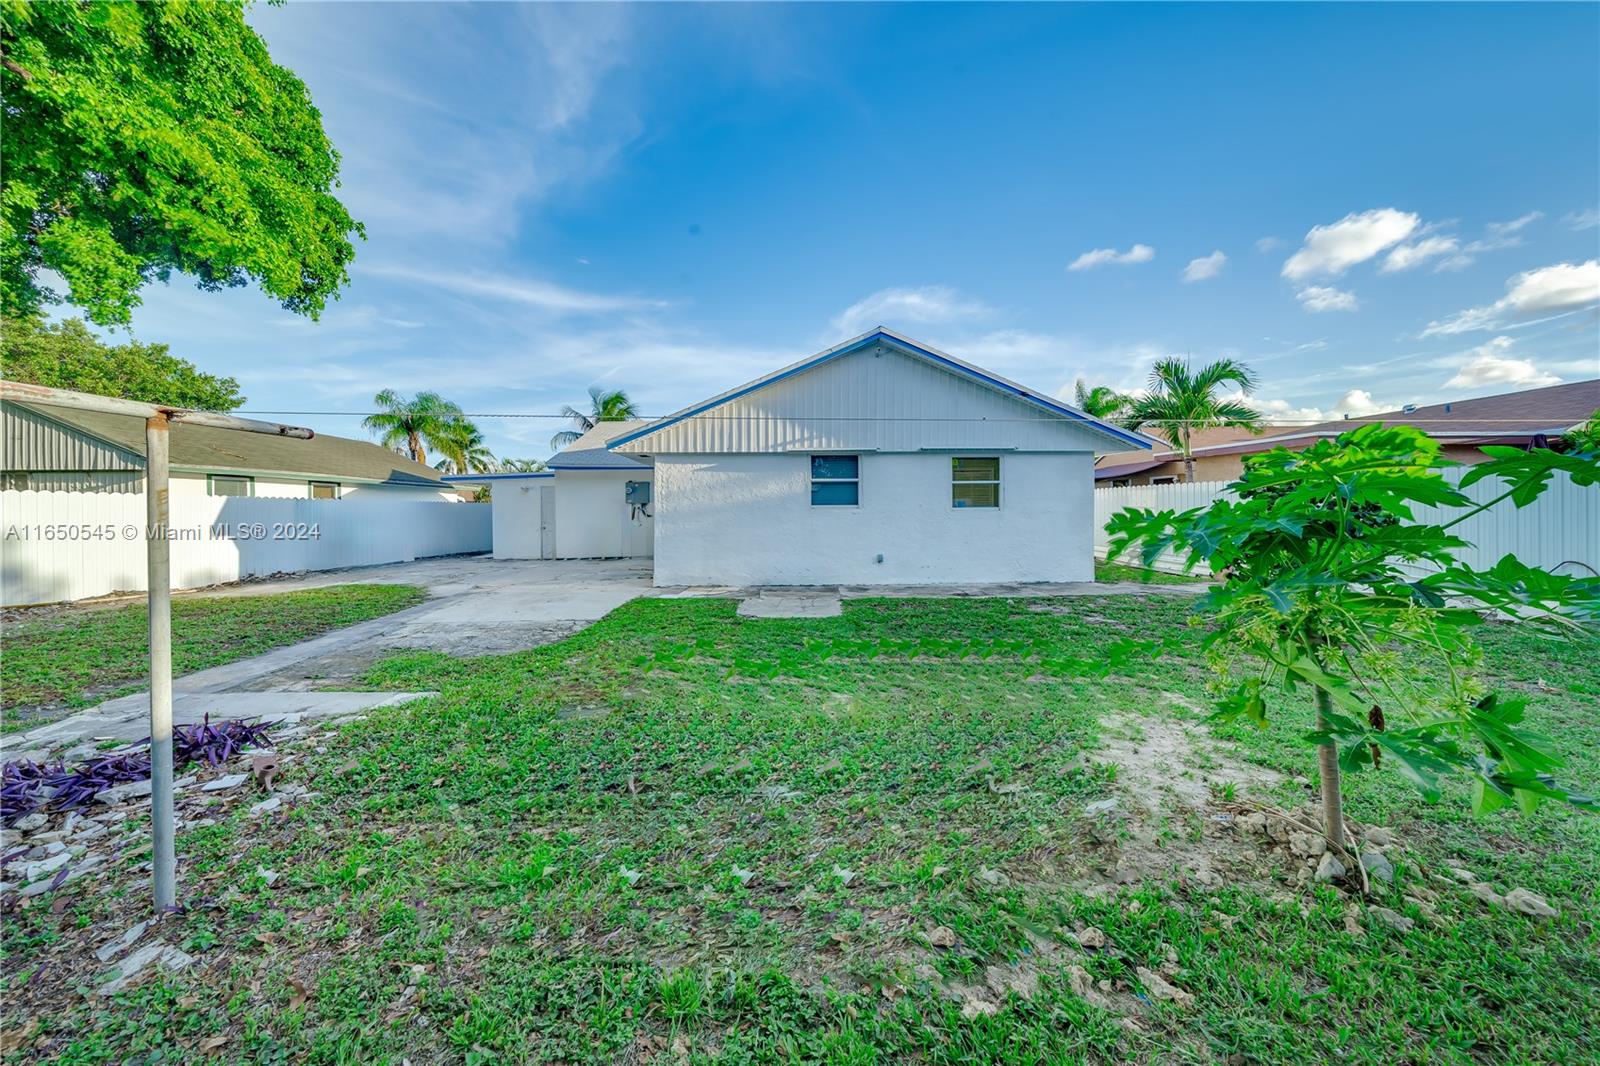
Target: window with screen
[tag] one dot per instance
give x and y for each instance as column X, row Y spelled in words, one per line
column 975, row 482
column 324, row 490
column 835, row 480
column 227, row 485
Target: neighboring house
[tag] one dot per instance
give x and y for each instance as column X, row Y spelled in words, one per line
column 1462, row 426
column 588, row 503
column 880, row 460
column 66, row 450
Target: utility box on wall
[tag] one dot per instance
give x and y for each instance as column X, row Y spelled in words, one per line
column 636, row 493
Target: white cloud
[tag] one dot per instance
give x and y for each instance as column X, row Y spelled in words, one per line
column 1548, row 290
column 529, row 291
column 1504, row 229
column 1406, row 256
column 1588, row 218
column 906, row 305
column 1331, row 250
column 1283, row 413
column 1326, row 298
column 1358, row 403
column 1139, row 253
column 1490, row 364
column 1268, row 244
column 1204, row 268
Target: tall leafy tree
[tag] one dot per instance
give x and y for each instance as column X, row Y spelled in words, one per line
column 148, row 138
column 604, row 406
column 1101, row 401
column 1332, row 582
column 464, row 450
column 412, row 426
column 1181, row 400
column 67, row 355
column 522, row 466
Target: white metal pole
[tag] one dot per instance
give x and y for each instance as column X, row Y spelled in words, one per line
column 163, row 858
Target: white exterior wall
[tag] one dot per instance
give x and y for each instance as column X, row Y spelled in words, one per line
column 594, row 522
column 748, row 520
column 72, row 545
column 523, row 508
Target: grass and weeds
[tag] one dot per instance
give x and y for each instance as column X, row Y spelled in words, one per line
column 80, row 656
column 684, row 836
column 1115, row 572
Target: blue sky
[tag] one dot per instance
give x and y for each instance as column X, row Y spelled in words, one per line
column 1373, row 205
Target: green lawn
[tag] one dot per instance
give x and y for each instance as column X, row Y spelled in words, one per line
column 82, row 656
column 684, row 836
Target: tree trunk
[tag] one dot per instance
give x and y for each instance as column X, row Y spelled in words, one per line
column 1328, row 771
column 1188, row 459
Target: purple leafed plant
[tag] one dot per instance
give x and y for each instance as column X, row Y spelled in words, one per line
column 20, row 784
column 28, row 785
column 215, row 744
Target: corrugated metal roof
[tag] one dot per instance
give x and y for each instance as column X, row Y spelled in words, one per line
column 34, row 442
column 206, row 449
column 589, row 451
column 880, row 391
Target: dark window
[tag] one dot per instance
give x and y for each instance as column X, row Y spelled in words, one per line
column 229, row 485
column 324, row 490
column 835, row 480
column 975, row 482
column 15, row 479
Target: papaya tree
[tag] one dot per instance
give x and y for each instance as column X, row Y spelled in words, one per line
column 1331, row 583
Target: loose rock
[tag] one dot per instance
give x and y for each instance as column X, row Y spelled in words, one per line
column 1330, row 868
column 1160, row 989
column 1308, row 844
column 1378, row 867
column 1092, row 938
column 156, row 954
column 1529, row 903
column 1393, row 919
column 228, row 781
column 942, row 937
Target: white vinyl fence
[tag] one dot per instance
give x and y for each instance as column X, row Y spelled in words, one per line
column 1559, row 532
column 72, row 545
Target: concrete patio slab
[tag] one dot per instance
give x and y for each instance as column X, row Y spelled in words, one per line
column 819, row 602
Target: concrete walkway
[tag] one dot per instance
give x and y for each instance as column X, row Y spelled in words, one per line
column 476, row 606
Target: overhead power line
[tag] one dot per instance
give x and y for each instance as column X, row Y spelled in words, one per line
column 1407, row 419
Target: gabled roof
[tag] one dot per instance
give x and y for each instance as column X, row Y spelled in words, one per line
column 1504, row 418
column 590, row 452
column 201, row 448
column 880, row 336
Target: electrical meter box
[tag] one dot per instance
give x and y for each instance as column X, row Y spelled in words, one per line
column 636, row 493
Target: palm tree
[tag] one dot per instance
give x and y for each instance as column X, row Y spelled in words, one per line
column 1181, row 400
column 612, row 406
column 1102, row 401
column 464, row 450
column 412, row 426
column 522, row 466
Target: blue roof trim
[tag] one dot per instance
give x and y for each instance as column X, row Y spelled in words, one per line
column 473, row 479
column 639, row 468
column 875, row 337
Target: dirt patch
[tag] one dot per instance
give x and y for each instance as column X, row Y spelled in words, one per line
column 1170, row 817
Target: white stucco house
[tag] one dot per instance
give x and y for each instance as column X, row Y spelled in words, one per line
column 878, row 461
column 588, row 503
